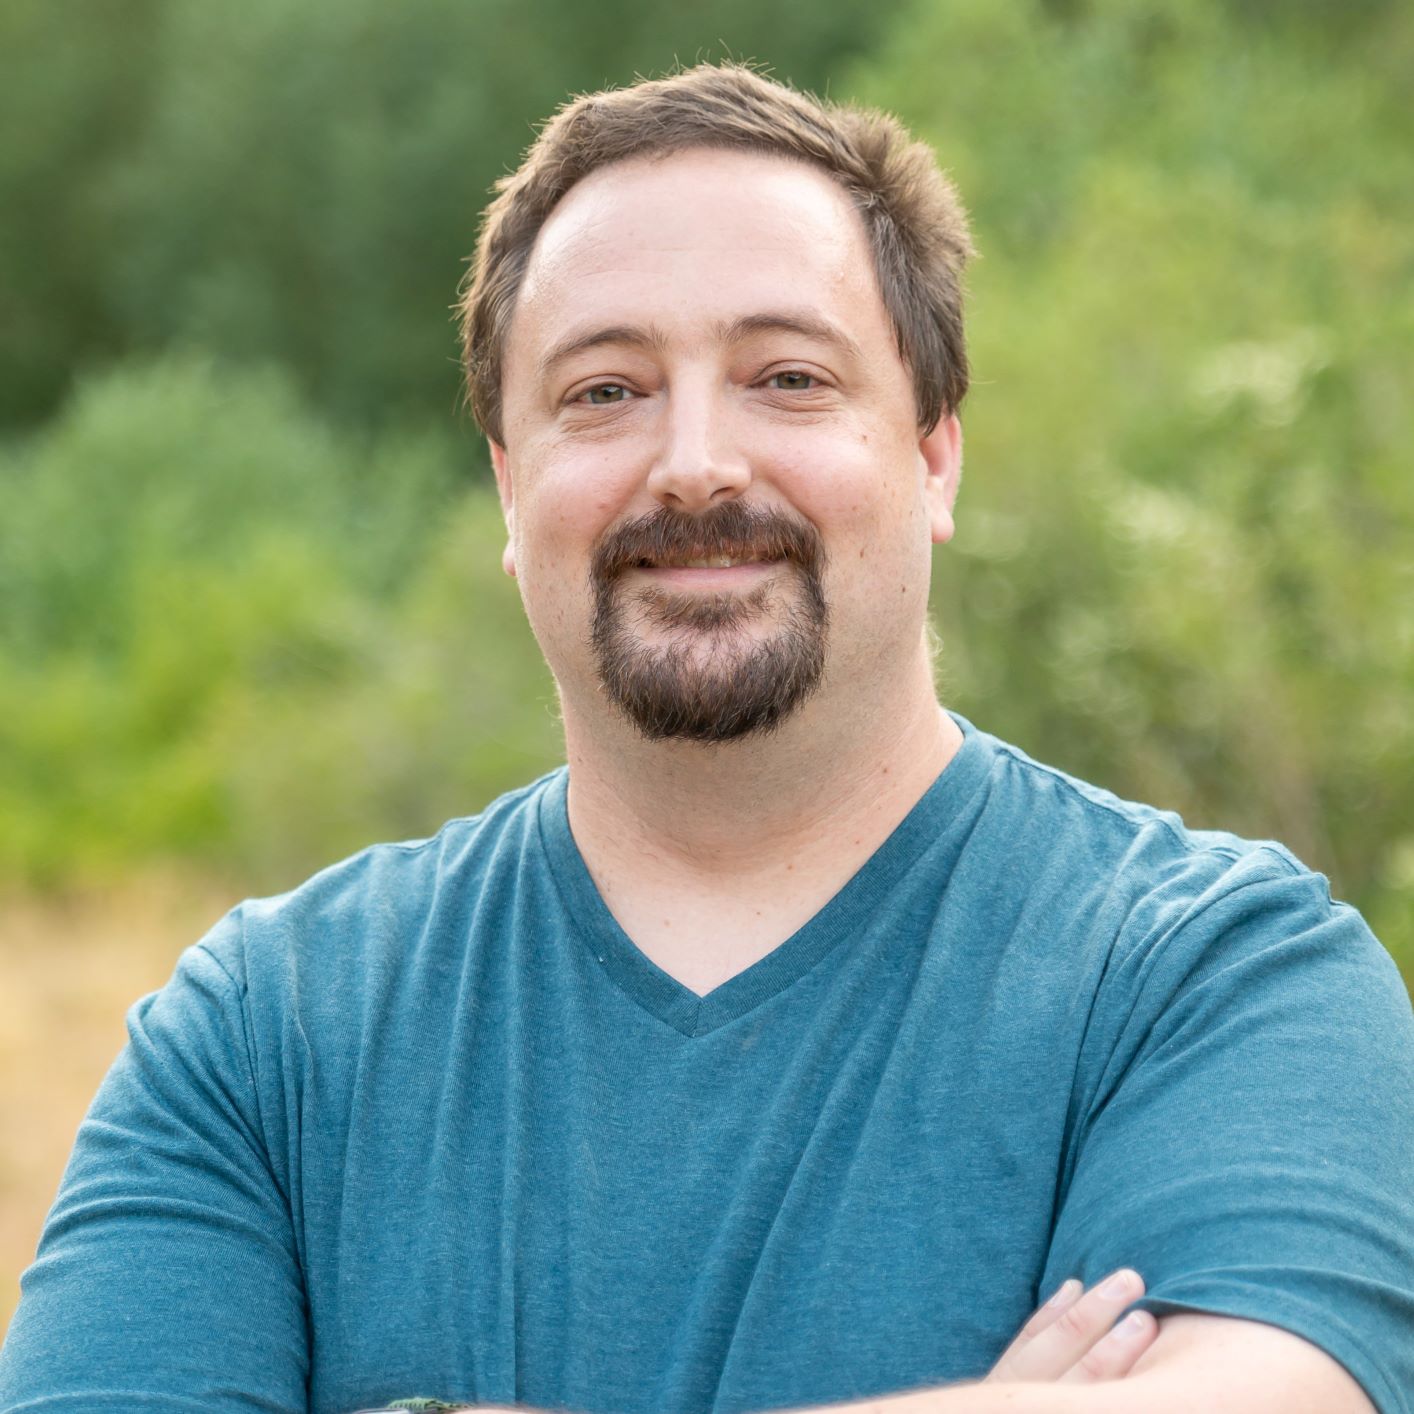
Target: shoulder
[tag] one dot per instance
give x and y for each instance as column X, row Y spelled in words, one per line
column 371, row 910
column 1136, row 851
column 1128, row 831
column 1152, row 894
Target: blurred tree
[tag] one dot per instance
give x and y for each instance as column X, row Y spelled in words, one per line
column 300, row 182
column 1182, row 567
column 75, row 84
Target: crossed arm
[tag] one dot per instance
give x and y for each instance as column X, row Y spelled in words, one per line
column 1217, row 1364
column 1070, row 1358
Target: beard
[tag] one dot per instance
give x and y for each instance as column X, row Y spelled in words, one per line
column 710, row 679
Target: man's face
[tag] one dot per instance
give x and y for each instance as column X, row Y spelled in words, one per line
column 718, row 496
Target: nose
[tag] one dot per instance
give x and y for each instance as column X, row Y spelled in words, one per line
column 697, row 464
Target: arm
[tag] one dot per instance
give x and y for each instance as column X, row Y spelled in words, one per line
column 1220, row 1363
column 167, row 1274
column 1250, row 1146
column 1214, row 1363
column 1073, row 1356
column 1246, row 1138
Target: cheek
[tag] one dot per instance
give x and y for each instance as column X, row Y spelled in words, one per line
column 857, row 488
column 557, row 525
column 863, row 494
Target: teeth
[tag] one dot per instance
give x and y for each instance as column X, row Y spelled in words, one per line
column 701, row 562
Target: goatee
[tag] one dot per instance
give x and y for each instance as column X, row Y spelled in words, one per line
column 738, row 683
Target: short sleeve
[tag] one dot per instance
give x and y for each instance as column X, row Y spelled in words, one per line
column 166, row 1277
column 1245, row 1138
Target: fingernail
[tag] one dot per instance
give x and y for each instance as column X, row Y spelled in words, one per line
column 1067, row 1290
column 1120, row 1284
column 1133, row 1325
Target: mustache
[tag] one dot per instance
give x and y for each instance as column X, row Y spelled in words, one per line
column 733, row 529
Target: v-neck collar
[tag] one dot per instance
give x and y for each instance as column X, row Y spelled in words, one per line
column 845, row 915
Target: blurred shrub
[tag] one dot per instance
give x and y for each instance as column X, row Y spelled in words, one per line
column 1183, row 566
column 236, row 634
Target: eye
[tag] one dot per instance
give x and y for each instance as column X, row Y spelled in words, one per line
column 792, row 380
column 602, row 394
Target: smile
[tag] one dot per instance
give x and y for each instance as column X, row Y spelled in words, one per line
column 708, row 572
column 705, row 562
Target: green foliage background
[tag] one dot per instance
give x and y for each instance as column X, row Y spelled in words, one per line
column 251, row 614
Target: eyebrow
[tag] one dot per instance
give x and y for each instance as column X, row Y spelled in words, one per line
column 809, row 326
column 728, row 331
column 650, row 337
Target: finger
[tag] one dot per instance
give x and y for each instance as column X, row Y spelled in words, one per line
column 1067, row 1294
column 1059, row 1346
column 1113, row 1356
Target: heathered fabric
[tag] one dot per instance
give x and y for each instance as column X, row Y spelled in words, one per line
column 431, row 1125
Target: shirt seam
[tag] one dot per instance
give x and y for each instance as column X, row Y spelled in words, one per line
column 1181, row 836
column 242, row 990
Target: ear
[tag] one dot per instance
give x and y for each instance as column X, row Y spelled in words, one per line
column 941, row 454
column 503, row 489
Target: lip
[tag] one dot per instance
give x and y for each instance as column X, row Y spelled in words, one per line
column 709, row 579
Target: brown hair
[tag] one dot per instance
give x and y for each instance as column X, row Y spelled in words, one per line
column 916, row 225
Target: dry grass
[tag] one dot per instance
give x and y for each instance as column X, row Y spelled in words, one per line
column 71, row 968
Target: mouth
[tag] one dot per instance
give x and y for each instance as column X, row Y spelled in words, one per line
column 705, row 562
column 716, row 573
column 726, row 549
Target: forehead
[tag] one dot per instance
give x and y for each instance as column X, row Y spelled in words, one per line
column 692, row 241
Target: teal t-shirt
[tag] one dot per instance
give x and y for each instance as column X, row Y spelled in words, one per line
column 431, row 1125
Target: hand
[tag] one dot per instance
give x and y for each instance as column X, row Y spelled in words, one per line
column 1073, row 1338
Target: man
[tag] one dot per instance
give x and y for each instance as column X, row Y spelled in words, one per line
column 790, row 1044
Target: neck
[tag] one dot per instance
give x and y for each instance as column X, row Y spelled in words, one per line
column 837, row 783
